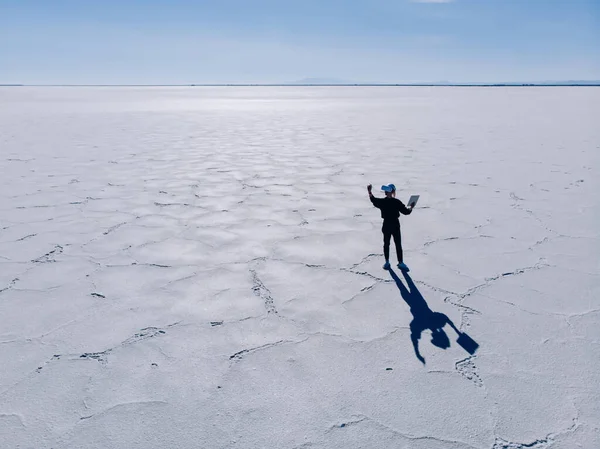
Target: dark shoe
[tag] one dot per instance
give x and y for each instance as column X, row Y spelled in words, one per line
column 403, row 267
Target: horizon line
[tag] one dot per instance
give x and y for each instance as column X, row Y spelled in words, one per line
column 581, row 83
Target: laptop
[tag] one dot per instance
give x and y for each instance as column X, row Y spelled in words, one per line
column 413, row 200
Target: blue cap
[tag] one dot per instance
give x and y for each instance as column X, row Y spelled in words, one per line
column 389, row 188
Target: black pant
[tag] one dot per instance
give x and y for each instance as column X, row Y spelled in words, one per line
column 390, row 229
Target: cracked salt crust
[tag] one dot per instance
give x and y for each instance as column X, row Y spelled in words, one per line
column 247, row 223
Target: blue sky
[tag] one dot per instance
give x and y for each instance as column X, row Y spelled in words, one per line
column 271, row 41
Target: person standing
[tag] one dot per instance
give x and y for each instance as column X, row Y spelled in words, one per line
column 391, row 208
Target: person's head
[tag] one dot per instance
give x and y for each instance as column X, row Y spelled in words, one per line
column 390, row 190
column 440, row 339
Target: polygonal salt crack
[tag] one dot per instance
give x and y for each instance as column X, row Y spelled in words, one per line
column 514, row 196
column 10, row 285
column 537, row 444
column 147, row 332
column 99, row 356
column 114, row 228
column 240, row 354
column 431, row 242
column 537, row 266
column 143, row 334
column 488, row 281
column 468, row 370
column 348, row 423
column 26, row 237
column 49, row 257
column 263, row 292
column 364, row 259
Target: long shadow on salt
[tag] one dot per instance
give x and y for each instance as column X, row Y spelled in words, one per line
column 425, row 318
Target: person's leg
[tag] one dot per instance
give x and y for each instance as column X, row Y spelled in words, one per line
column 398, row 243
column 387, row 236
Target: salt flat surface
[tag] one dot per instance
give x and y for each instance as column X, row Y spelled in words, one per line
column 201, row 268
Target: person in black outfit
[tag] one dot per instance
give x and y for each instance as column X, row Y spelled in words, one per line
column 391, row 208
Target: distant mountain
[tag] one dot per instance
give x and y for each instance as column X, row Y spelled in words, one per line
column 571, row 83
column 513, row 83
column 317, row 81
column 340, row 82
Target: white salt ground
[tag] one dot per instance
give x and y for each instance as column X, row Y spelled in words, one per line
column 201, row 268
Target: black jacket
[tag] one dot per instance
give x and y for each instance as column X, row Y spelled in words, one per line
column 391, row 208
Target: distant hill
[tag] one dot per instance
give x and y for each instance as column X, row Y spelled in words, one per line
column 320, row 81
column 340, row 82
column 527, row 83
column 571, row 83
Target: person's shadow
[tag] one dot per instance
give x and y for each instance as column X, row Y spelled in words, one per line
column 425, row 318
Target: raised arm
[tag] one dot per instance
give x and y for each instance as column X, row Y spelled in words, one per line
column 453, row 326
column 374, row 200
column 414, row 337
